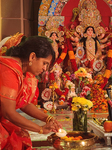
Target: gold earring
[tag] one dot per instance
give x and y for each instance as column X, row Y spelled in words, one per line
column 30, row 63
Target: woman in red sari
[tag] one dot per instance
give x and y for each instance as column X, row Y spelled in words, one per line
column 18, row 89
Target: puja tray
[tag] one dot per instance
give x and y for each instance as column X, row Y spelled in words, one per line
column 60, row 144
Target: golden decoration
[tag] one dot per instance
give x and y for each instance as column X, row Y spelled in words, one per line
column 75, row 13
column 89, row 16
column 52, row 26
column 83, row 4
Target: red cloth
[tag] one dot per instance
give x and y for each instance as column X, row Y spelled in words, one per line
column 23, row 91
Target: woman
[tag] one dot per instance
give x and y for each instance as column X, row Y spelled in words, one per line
column 18, row 89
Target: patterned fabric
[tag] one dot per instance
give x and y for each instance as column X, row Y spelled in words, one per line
column 14, row 86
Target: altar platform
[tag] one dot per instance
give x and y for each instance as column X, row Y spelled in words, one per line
column 40, row 142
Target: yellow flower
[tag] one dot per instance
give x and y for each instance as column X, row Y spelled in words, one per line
column 74, row 108
column 81, row 102
column 90, row 104
column 50, row 87
column 53, row 86
column 81, row 69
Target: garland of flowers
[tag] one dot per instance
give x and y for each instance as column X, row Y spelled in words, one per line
column 58, row 91
column 91, row 89
column 108, row 68
column 61, row 93
column 63, row 55
column 97, row 95
column 71, row 55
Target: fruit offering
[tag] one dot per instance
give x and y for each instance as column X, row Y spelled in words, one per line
column 108, row 126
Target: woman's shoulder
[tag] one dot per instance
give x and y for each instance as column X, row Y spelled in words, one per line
column 10, row 62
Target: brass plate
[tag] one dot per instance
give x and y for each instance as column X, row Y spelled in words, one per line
column 88, row 140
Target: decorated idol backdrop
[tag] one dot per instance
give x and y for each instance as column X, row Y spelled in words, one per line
column 83, row 28
column 80, row 31
column 65, row 12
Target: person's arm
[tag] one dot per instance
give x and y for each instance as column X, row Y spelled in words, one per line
column 33, row 111
column 99, row 52
column 9, row 112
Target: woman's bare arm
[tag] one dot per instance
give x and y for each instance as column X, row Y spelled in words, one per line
column 9, row 112
column 33, row 111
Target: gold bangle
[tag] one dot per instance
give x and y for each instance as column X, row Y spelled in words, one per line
column 41, row 131
column 48, row 119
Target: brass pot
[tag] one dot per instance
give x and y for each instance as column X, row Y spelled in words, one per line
column 88, row 140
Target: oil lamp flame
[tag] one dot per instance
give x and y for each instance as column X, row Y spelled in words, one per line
column 61, row 133
column 60, row 130
column 83, row 143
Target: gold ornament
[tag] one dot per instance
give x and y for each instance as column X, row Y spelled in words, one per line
column 75, row 13
column 30, row 63
column 89, row 16
column 52, row 26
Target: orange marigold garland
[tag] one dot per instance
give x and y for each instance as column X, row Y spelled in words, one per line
column 98, row 95
column 71, row 55
column 63, row 55
column 108, row 68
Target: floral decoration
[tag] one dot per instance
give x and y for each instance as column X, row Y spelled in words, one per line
column 91, row 88
column 98, row 95
column 84, row 80
column 79, row 106
column 61, row 93
column 81, row 103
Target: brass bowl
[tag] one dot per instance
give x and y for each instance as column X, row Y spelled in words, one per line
column 85, row 144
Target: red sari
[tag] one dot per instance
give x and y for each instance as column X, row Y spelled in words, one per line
column 23, row 91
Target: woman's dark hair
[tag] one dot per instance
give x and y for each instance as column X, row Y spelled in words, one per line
column 41, row 46
column 85, row 38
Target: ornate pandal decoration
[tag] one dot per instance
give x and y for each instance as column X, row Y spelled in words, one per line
column 89, row 16
column 83, row 3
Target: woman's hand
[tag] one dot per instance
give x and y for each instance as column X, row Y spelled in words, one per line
column 56, row 124
column 52, row 126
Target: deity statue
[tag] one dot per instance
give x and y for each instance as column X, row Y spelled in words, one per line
column 91, row 47
column 56, row 38
column 64, row 88
column 53, row 33
column 89, row 39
